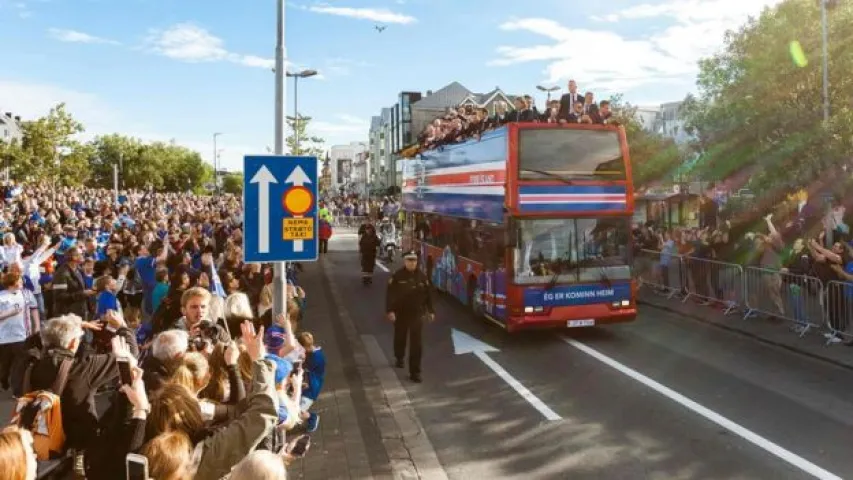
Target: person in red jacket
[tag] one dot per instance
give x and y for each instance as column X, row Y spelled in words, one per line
column 325, row 235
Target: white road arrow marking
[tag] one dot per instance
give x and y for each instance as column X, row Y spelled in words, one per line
column 464, row 343
column 263, row 178
column 298, row 178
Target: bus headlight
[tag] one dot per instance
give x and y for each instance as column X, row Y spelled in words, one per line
column 626, row 303
column 534, row 309
column 621, row 304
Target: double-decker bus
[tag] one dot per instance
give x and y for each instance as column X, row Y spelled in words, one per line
column 529, row 225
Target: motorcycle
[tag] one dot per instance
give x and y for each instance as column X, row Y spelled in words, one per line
column 388, row 242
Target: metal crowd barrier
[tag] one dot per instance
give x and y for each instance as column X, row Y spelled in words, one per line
column 839, row 309
column 796, row 298
column 802, row 300
column 665, row 272
column 713, row 281
column 347, row 223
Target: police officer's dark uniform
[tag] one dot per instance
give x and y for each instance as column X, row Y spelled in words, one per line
column 409, row 300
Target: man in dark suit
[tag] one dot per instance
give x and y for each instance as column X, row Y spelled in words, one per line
column 568, row 101
column 602, row 114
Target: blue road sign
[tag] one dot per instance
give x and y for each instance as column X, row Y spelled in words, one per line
column 280, row 208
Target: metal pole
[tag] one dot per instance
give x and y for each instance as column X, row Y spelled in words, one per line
column 280, row 268
column 825, row 48
column 825, row 27
column 115, row 182
column 215, row 165
column 297, row 150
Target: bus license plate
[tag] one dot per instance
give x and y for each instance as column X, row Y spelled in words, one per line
column 580, row 323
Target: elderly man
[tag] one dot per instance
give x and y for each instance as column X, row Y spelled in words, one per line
column 87, row 373
column 166, row 353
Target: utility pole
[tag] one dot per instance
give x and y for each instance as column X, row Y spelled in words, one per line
column 279, row 268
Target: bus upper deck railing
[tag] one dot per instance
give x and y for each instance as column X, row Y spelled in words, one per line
column 803, row 301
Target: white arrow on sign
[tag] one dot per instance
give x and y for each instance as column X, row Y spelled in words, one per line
column 464, row 343
column 298, row 178
column 263, row 178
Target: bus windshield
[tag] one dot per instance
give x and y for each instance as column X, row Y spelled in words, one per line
column 570, row 154
column 574, row 250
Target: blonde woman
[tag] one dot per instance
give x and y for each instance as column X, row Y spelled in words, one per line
column 10, row 251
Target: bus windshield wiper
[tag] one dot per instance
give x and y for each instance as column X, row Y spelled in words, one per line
column 604, row 278
column 550, row 175
column 553, row 282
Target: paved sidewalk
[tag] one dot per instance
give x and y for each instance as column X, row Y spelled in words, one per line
column 347, row 445
column 777, row 333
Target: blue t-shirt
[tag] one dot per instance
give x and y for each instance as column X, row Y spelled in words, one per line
column 315, row 370
column 146, row 267
column 106, row 301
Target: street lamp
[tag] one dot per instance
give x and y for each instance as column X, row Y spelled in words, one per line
column 296, row 76
column 216, row 163
column 548, row 90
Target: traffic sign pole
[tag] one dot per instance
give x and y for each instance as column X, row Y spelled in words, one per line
column 279, row 268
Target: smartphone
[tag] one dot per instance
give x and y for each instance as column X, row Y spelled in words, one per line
column 124, row 371
column 301, row 446
column 137, row 467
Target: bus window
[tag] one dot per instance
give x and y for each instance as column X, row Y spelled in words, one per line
column 572, row 250
column 570, row 154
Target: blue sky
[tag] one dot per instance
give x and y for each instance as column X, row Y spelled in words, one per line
column 168, row 69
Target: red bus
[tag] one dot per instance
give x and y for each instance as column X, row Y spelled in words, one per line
column 528, row 226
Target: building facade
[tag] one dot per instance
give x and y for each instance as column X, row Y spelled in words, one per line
column 10, row 128
column 665, row 119
column 342, row 161
column 360, row 174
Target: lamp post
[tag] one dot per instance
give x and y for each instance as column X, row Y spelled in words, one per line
column 548, row 90
column 216, row 163
column 824, row 23
column 296, row 76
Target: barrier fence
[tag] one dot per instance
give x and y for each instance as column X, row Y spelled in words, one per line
column 347, row 223
column 802, row 300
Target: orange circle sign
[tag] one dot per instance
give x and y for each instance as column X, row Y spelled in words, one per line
column 298, row 200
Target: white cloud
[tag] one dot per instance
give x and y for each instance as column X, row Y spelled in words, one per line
column 30, row 100
column 613, row 62
column 380, row 15
column 344, row 124
column 73, row 36
column 190, row 43
column 342, row 67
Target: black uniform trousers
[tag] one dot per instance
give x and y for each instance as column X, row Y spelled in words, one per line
column 409, row 326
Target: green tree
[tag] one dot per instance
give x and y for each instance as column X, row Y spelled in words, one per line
column 183, row 169
column 760, row 107
column 49, row 142
column 309, row 145
column 233, row 183
column 126, row 153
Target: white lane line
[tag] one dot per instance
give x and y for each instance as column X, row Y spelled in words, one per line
column 382, row 267
column 526, row 394
column 709, row 414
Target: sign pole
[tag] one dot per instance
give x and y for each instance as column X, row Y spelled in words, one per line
column 279, row 268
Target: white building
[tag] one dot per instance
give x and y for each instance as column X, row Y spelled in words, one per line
column 343, row 159
column 664, row 119
column 10, row 128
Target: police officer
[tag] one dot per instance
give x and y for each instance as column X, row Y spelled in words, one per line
column 408, row 305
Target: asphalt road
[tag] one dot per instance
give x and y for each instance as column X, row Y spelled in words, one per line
column 664, row 397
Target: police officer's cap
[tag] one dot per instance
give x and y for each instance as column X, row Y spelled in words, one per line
column 410, row 255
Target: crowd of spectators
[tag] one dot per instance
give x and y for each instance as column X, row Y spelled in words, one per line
column 794, row 263
column 465, row 122
column 130, row 328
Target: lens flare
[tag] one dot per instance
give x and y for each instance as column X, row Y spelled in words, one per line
column 797, row 54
